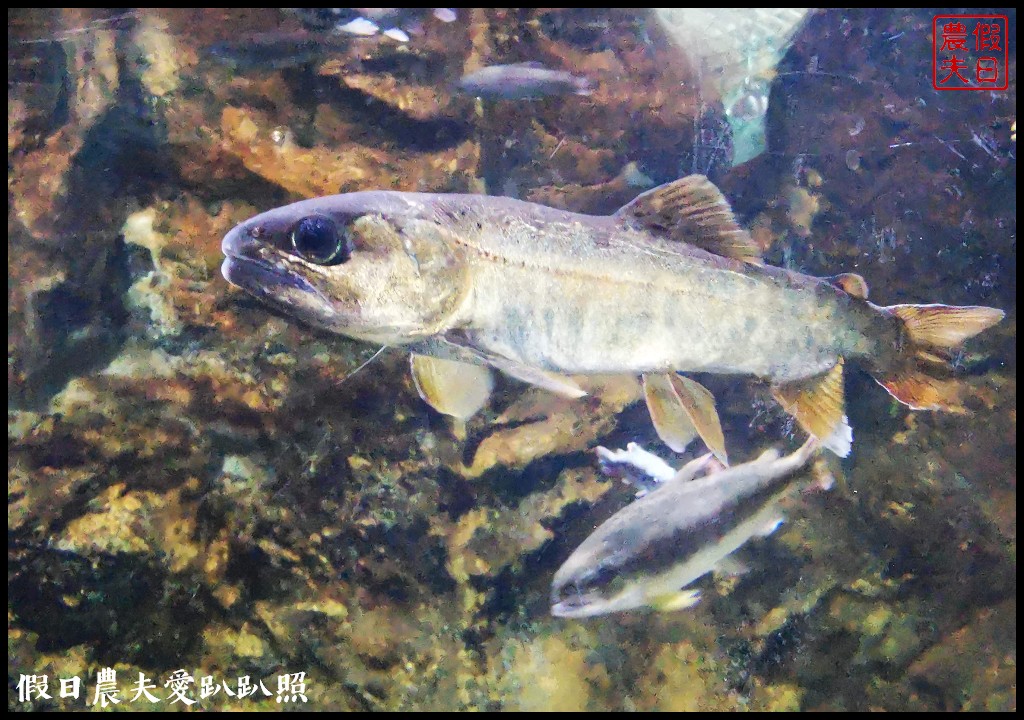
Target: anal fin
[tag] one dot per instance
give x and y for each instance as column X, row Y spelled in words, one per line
column 450, row 387
column 819, row 408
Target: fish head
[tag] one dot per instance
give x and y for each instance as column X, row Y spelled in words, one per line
column 643, row 554
column 592, row 580
column 586, row 589
column 370, row 265
column 590, row 592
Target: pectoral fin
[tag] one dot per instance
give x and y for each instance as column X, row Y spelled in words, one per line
column 455, row 344
column 558, row 384
column 682, row 409
column 677, row 601
column 818, row 406
column 770, row 525
column 452, row 388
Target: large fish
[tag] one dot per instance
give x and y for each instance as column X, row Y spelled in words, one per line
column 669, row 283
column 651, row 550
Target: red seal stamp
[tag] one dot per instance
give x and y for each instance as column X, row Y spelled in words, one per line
column 970, row 52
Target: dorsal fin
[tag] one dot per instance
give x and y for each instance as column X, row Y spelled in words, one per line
column 692, row 210
column 851, row 284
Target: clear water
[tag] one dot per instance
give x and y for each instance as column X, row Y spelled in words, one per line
column 198, row 484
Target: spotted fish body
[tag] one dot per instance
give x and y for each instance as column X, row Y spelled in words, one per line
column 583, row 295
column 579, row 294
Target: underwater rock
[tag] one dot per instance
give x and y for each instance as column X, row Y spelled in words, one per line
column 419, row 102
column 942, row 676
column 682, row 678
column 643, row 107
column 315, row 171
column 485, row 540
column 566, row 427
column 549, row 674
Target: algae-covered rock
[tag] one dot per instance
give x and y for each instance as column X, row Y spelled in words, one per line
column 549, row 673
column 989, row 685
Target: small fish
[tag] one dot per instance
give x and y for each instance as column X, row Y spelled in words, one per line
column 669, row 284
column 393, row 17
column 651, row 550
column 359, row 26
column 522, row 81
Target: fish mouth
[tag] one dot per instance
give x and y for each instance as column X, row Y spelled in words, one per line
column 259, row 269
column 573, row 602
column 260, row 277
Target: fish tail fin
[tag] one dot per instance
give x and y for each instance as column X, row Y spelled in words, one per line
column 943, row 327
column 922, row 379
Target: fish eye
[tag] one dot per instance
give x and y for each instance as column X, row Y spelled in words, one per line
column 316, row 239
